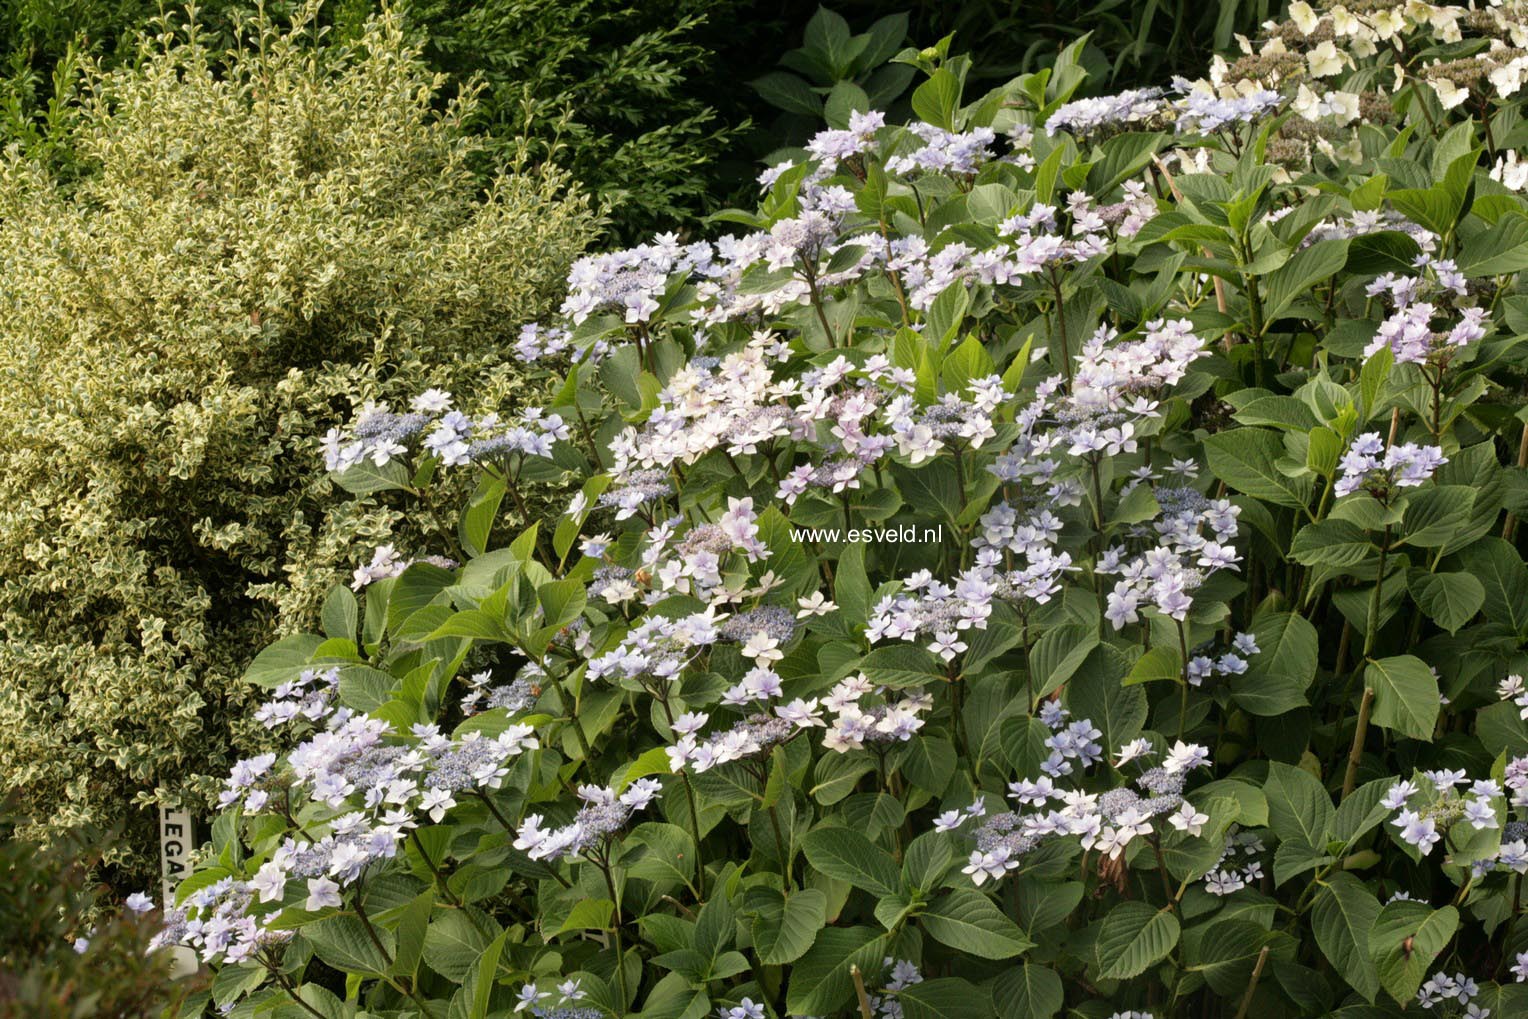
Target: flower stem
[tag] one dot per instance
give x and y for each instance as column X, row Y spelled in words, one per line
column 1360, row 730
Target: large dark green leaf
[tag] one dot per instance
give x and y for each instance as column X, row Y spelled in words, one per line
column 1405, row 695
column 1133, row 937
column 1245, row 459
column 1343, row 913
column 967, row 920
column 849, row 856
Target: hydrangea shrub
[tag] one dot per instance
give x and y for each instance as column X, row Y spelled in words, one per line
column 264, row 240
column 1060, row 554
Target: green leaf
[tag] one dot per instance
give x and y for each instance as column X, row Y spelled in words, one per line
column 1449, row 599
column 1295, row 278
column 1059, row 653
column 820, row 981
column 364, row 688
column 1500, row 251
column 968, row 361
column 342, row 942
column 1133, row 937
column 1360, row 811
column 789, row 93
column 284, row 660
column 901, row 665
column 1331, row 543
column 850, row 856
column 936, row 99
column 1343, row 913
column 1121, row 157
column 926, row 861
column 568, row 527
column 453, row 944
column 1434, row 515
column 1224, row 953
column 1372, row 378
column 851, row 587
column 487, row 968
column 668, row 856
column 341, row 614
column 588, row 915
column 784, row 927
column 412, row 923
column 944, row 998
column 1023, row 739
column 477, row 519
column 1095, row 692
column 366, row 478
column 1405, row 939
column 1500, row 570
column 1299, row 807
column 1157, row 664
column 1279, row 674
column 967, row 920
column 1028, row 992
column 1405, row 695
column 420, row 585
column 1245, row 459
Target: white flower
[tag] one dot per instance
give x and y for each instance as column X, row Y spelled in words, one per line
column 432, row 401
column 436, row 802
column 1130, row 751
column 1508, row 78
column 1186, row 818
column 1304, row 18
column 1185, row 757
column 1514, row 176
column 816, row 605
column 1324, row 61
column 802, row 714
column 761, row 647
column 947, row 645
column 949, row 820
column 1449, row 94
column 138, row 902
column 270, row 881
column 321, row 892
column 528, row 996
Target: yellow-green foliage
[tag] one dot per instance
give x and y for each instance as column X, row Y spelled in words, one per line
column 264, row 240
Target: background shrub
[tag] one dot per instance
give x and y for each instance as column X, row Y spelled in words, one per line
column 260, row 241
column 48, row 900
column 640, row 101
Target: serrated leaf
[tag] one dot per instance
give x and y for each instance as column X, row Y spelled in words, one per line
column 967, row 920
column 1246, row 460
column 1449, row 599
column 1279, row 674
column 1405, row 695
column 784, row 927
column 1405, row 939
column 820, row 983
column 850, row 856
column 1133, row 937
column 342, row 942
column 1159, row 663
column 1028, row 992
column 1343, row 913
column 944, row 998
column 1298, row 805
column 1331, row 543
